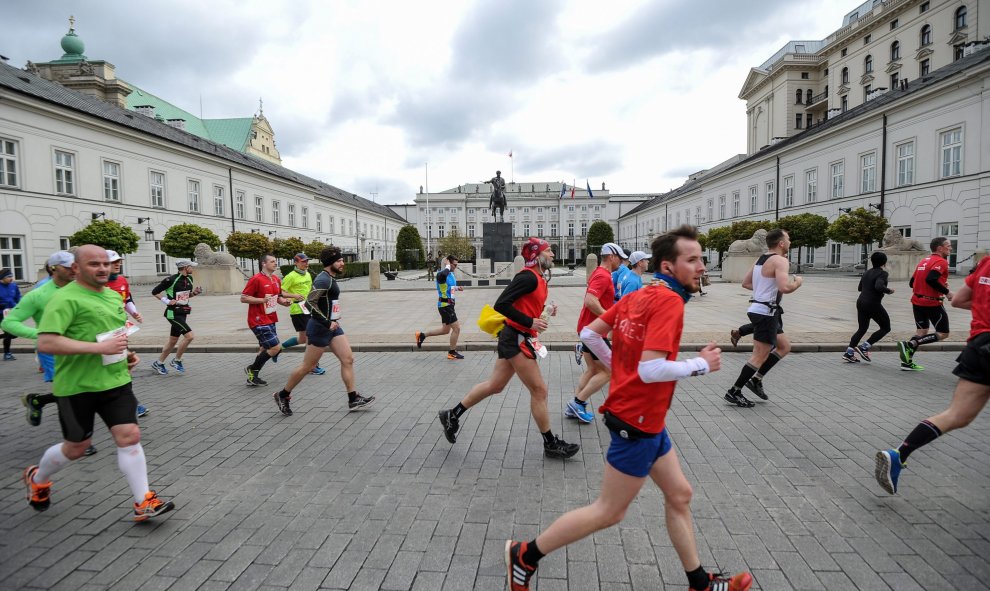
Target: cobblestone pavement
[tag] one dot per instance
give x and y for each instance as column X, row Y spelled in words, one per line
column 379, row 500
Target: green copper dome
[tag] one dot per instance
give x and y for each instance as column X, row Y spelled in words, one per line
column 72, row 45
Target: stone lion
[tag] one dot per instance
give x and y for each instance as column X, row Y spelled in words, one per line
column 892, row 240
column 757, row 244
column 206, row 256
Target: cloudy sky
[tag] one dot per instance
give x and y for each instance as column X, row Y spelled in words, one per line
column 363, row 93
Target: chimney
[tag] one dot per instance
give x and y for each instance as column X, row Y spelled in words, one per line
column 146, row 110
column 177, row 123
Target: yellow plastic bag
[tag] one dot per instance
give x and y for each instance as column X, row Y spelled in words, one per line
column 490, row 321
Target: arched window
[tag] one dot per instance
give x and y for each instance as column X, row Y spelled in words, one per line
column 868, row 64
column 807, row 95
column 798, row 96
column 895, row 51
column 926, row 35
column 845, row 75
column 961, row 18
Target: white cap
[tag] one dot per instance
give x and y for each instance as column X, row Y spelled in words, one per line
column 613, row 248
column 61, row 259
column 113, row 256
column 638, row 256
column 185, row 263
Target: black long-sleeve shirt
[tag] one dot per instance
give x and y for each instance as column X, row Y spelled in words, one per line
column 521, row 284
column 873, row 286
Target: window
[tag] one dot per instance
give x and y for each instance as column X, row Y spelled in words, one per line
column 259, row 208
column 330, row 225
column 64, row 173
column 805, row 76
column 799, row 94
column 807, row 96
column 157, row 189
column 440, row 231
column 811, row 186
column 961, row 18
column 12, row 255
column 811, row 256
column 924, row 68
column 893, row 24
column 735, row 203
column 470, row 230
column 553, row 229
column 350, row 227
column 161, row 262
column 866, row 92
column 843, row 52
column 276, row 212
column 218, row 193
column 711, row 214
column 305, row 217
column 753, row 200
column 8, row 163
column 291, row 207
column 894, row 80
column 584, row 228
column 526, row 229
column 958, row 52
column 570, row 229
column 837, row 170
column 868, row 64
column 895, row 51
column 868, row 165
column 697, row 216
column 111, row 180
column 319, row 222
column 834, row 253
column 951, row 146
column 192, row 191
column 924, row 7
column 951, row 231
column 845, row 103
column 926, row 35
column 867, row 39
column 845, row 76
column 721, row 207
column 788, row 191
column 771, row 191
column 63, row 243
column 239, row 204
column 797, row 120
column 905, row 164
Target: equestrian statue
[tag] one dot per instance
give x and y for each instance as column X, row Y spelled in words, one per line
column 497, row 200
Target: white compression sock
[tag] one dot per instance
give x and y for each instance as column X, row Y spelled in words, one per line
column 132, row 463
column 53, row 461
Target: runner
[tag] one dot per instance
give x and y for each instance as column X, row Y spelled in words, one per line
column 769, row 281
column 599, row 297
column 178, row 289
column 84, row 327
column 930, row 285
column 118, row 283
column 869, row 306
column 523, row 302
column 972, row 390
column 647, row 327
column 446, row 286
column 10, row 294
column 324, row 331
column 296, row 285
column 263, row 294
column 619, row 273
column 639, row 261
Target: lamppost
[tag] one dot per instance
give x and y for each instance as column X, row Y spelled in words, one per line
column 149, row 234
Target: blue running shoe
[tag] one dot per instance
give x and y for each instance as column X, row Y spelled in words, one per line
column 888, row 470
column 141, row 411
column 177, row 364
column 318, row 371
column 159, row 367
column 579, row 412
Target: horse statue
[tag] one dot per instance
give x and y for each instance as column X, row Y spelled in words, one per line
column 497, row 200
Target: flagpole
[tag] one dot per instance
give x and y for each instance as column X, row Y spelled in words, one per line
column 512, row 167
column 428, row 209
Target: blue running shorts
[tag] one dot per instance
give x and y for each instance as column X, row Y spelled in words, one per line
column 635, row 457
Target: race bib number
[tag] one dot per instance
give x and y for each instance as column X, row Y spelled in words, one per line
column 271, row 302
column 182, row 298
column 335, row 310
column 128, row 329
column 304, row 307
column 539, row 347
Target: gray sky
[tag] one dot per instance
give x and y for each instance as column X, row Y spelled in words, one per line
column 362, row 94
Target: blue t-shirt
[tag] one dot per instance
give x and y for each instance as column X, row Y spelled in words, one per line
column 617, row 277
column 446, row 284
column 629, row 283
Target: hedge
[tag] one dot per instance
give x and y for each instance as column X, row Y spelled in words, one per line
column 350, row 269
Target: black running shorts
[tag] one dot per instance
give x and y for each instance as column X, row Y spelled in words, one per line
column 585, row 349
column 299, row 321
column 974, row 361
column 179, row 325
column 77, row 413
column 319, row 335
column 931, row 315
column 447, row 314
column 766, row 328
column 509, row 341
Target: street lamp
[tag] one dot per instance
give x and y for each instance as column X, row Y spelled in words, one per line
column 98, row 214
column 845, row 209
column 149, row 234
column 876, row 206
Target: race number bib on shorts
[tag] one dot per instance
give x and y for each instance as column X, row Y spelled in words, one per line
column 335, row 310
column 182, row 297
column 271, row 301
column 128, row 329
column 304, row 307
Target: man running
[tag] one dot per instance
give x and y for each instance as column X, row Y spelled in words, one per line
column 930, row 285
column 869, row 306
column 769, row 281
column 322, row 332
column 84, row 326
column 263, row 294
column 523, row 302
column 446, row 286
column 599, row 297
column 972, row 390
column 296, row 285
column 647, row 327
column 175, row 291
column 633, row 281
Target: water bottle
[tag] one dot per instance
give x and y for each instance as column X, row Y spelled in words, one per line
column 547, row 311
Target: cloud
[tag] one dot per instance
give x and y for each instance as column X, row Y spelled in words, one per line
column 591, row 159
column 449, row 115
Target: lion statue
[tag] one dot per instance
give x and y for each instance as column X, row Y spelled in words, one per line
column 893, row 240
column 205, row 256
column 757, row 244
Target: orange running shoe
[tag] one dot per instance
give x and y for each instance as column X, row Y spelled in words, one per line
column 519, row 573
column 152, row 506
column 39, row 495
column 719, row 582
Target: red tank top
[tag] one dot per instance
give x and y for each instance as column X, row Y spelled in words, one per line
column 532, row 303
column 120, row 286
column 923, row 294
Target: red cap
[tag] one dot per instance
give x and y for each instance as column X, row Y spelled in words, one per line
column 532, row 249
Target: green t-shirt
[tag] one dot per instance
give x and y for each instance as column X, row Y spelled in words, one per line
column 81, row 314
column 32, row 305
column 296, row 282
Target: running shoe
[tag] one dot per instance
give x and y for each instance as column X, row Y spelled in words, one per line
column 450, row 425
column 912, row 366
column 420, row 337
column 518, row 572
column 850, row 357
column 30, row 402
column 90, row 450
column 864, row 353
column 360, row 402
column 560, row 449
column 8, row 357
column 252, row 377
column 905, row 351
column 719, row 582
column 756, row 387
column 142, row 411
column 177, row 364
column 578, row 354
column 888, row 470
column 576, row 410
column 158, row 367
column 275, row 358
column 736, row 397
column 318, row 371
column 734, row 336
column 39, row 495
column 151, row 507
column 283, row 404
column 454, row 355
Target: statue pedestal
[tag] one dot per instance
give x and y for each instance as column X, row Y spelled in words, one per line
column 735, row 265
column 496, row 241
column 902, row 263
column 219, row 279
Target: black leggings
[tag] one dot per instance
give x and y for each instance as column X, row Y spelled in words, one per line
column 6, row 343
column 865, row 313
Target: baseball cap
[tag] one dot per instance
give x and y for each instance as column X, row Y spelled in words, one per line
column 185, row 263
column 300, row 257
column 61, row 259
column 113, row 256
column 638, row 256
column 613, row 248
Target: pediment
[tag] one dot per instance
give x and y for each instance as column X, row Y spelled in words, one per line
column 866, row 79
column 844, row 89
column 957, row 37
column 261, row 124
column 753, row 79
column 893, row 67
column 924, row 52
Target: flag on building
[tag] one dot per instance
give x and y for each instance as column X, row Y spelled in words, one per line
column 563, row 189
column 573, row 185
column 510, row 153
column 590, row 194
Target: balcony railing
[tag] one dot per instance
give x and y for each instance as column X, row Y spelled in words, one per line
column 817, row 99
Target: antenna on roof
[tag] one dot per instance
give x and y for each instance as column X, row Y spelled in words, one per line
column 201, row 105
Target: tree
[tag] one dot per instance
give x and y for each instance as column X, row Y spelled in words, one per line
column 286, row 248
column 314, row 248
column 109, row 234
column 719, row 240
column 859, row 226
column 457, row 245
column 806, row 230
column 744, row 230
column 248, row 245
column 702, row 240
column 599, row 233
column 180, row 240
column 409, row 247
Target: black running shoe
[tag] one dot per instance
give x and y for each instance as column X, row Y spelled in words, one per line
column 560, row 449
column 450, row 425
column 420, row 337
column 360, row 402
column 518, row 572
column 30, row 402
column 738, row 399
column 756, row 386
column 253, row 379
column 734, row 336
column 283, row 404
column 90, row 450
